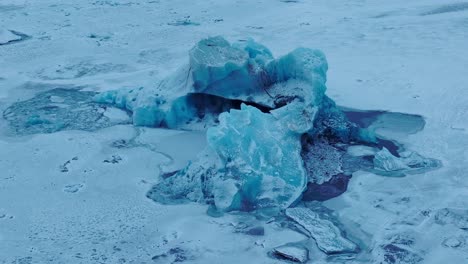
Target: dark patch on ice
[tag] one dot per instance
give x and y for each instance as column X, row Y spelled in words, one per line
column 290, row 1
column 63, row 167
column 394, row 254
column 56, row 110
column 73, row 188
column 113, row 160
column 173, row 255
column 291, row 253
column 448, row 8
column 23, row 37
column 336, row 186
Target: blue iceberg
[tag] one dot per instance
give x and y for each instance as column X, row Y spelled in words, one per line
column 258, row 111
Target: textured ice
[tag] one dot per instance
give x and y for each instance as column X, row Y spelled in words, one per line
column 408, row 162
column 61, row 109
column 327, row 236
column 261, row 158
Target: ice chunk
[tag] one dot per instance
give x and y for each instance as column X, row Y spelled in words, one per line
column 292, row 253
column 391, row 253
column 327, row 236
column 262, row 153
column 61, row 109
column 408, row 162
column 384, row 160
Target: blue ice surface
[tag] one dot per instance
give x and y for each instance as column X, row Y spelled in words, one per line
column 243, row 71
column 261, row 157
column 257, row 109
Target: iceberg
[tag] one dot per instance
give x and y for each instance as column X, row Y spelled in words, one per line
column 257, row 109
column 271, row 130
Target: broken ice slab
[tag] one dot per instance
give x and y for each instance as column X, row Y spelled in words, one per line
column 292, row 253
column 326, row 234
column 385, row 163
column 397, row 254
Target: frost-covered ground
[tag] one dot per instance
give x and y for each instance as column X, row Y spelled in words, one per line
column 78, row 196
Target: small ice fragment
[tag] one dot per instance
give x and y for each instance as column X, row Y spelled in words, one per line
column 384, row 160
column 292, row 253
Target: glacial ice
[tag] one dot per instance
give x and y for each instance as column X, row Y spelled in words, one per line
column 271, row 130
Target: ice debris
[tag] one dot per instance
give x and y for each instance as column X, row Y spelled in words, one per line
column 326, row 234
column 292, row 253
column 258, row 109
